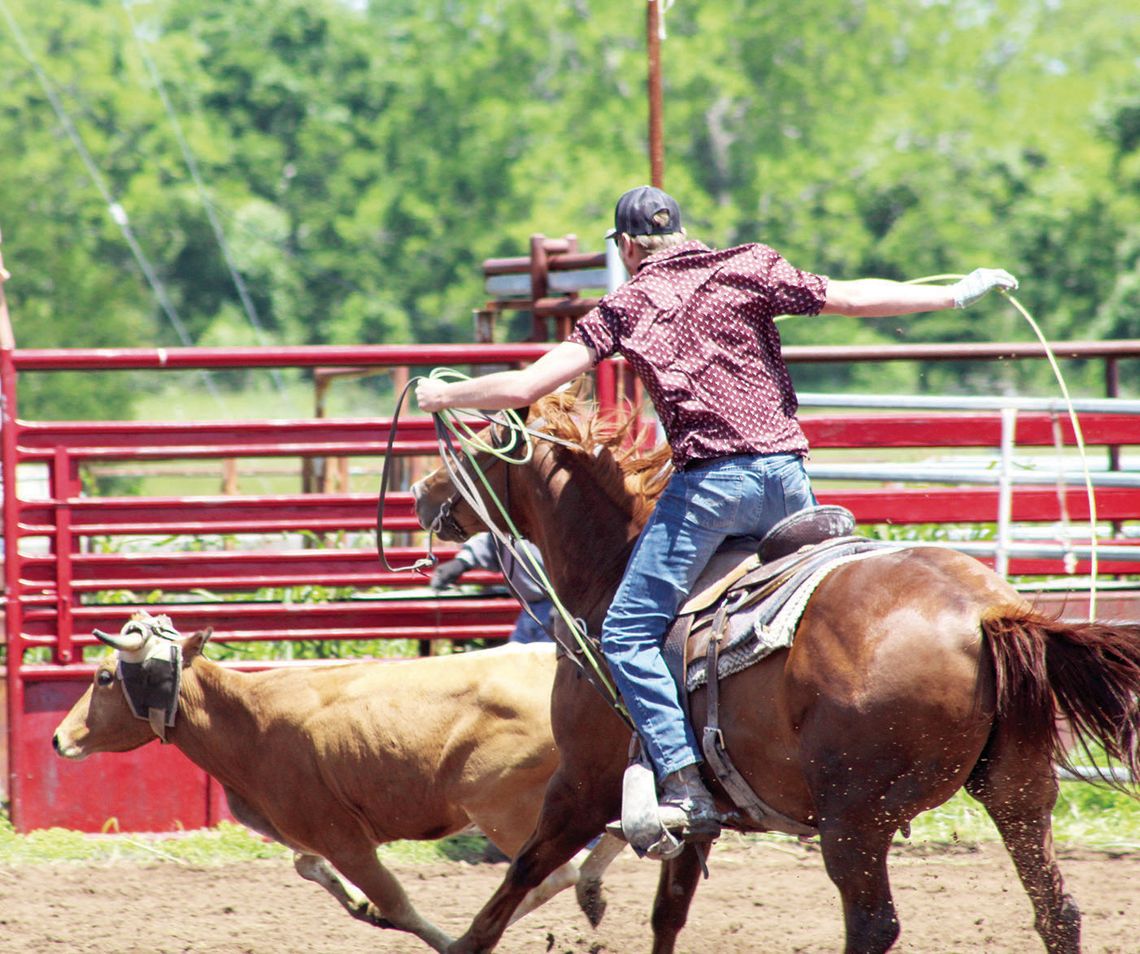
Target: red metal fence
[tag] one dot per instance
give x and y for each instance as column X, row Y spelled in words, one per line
column 67, row 572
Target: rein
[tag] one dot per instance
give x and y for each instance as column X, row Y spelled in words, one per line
column 507, row 551
column 427, row 561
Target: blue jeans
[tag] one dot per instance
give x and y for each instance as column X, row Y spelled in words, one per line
column 527, row 630
column 700, row 507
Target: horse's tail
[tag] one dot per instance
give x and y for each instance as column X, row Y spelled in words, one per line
column 1088, row 673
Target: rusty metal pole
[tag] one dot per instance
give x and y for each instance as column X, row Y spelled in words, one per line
column 656, row 99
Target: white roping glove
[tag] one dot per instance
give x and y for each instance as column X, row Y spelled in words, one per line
column 980, row 282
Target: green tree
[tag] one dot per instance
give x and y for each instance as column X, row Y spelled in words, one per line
column 362, row 159
column 74, row 281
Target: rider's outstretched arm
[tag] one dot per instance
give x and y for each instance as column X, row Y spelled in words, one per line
column 882, row 298
column 506, row 389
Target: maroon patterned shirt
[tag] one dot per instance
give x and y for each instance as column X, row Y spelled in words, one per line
column 696, row 325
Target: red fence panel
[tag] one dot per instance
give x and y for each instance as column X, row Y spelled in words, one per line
column 152, row 789
column 71, row 568
column 70, row 565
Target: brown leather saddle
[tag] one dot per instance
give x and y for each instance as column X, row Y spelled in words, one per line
column 753, row 584
column 716, row 633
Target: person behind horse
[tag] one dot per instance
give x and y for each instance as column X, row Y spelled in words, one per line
column 483, row 551
column 697, row 325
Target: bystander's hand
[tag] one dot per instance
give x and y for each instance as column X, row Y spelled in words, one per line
column 446, row 574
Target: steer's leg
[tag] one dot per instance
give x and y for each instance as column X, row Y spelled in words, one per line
column 558, row 880
column 507, row 822
column 385, row 904
column 314, row 868
column 585, row 872
column 589, row 887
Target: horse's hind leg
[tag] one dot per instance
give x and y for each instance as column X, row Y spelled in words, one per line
column 1019, row 790
column 856, row 860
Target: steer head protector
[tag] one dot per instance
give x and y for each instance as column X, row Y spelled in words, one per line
column 150, row 668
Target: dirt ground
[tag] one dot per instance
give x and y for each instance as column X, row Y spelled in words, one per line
column 761, row 897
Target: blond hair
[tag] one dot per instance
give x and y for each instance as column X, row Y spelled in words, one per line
column 655, row 243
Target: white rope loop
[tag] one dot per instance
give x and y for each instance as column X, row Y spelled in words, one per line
column 1078, row 434
column 452, row 424
column 1072, row 413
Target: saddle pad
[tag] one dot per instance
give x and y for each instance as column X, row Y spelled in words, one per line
column 770, row 625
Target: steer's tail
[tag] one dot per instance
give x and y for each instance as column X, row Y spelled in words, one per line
column 1086, row 672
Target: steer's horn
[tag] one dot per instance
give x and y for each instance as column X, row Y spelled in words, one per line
column 124, row 642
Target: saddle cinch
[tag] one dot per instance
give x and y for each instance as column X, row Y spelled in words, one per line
column 746, row 605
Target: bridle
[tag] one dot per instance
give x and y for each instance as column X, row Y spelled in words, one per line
column 445, row 524
column 503, row 442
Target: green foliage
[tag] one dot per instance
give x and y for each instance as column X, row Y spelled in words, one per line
column 362, row 159
column 918, row 532
column 224, row 843
column 1086, row 815
column 1090, row 815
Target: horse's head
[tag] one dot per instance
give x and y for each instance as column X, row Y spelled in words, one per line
column 581, row 494
column 444, row 497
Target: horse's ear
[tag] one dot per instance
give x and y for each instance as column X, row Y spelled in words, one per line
column 579, row 388
column 522, row 412
column 193, row 645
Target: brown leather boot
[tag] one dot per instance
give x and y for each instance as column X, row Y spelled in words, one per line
column 686, row 807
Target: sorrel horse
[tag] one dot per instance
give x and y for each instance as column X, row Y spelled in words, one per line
column 912, row 674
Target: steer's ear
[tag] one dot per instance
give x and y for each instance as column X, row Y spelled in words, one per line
column 193, row 645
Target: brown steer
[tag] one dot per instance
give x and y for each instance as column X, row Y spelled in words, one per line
column 334, row 761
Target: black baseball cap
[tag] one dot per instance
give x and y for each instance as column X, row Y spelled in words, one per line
column 635, row 211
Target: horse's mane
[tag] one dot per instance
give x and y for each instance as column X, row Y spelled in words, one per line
column 628, row 475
